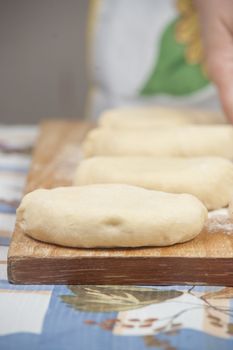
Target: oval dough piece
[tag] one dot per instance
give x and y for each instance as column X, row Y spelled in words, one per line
column 110, row 216
column 148, row 117
column 183, row 141
column 208, row 178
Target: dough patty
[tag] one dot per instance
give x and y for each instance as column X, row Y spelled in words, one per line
column 208, row 178
column 110, row 216
column 179, row 141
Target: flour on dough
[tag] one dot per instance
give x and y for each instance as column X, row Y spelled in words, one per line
column 110, row 216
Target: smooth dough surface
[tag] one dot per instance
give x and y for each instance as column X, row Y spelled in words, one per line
column 208, row 178
column 147, row 117
column 110, row 216
column 180, row 141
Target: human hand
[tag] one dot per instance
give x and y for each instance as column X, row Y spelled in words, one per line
column 216, row 19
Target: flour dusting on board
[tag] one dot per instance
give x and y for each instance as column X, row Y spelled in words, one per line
column 219, row 221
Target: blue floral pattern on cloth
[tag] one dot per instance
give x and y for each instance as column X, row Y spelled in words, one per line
column 98, row 317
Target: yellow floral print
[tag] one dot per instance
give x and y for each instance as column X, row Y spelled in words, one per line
column 188, row 32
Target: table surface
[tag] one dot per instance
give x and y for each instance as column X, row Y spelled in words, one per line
column 98, row 317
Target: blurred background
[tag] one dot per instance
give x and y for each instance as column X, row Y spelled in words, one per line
column 152, row 55
column 42, row 59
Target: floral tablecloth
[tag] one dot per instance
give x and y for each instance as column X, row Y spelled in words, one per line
column 98, row 317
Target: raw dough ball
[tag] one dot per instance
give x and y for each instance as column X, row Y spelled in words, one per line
column 148, row 117
column 208, row 178
column 110, row 216
column 180, row 141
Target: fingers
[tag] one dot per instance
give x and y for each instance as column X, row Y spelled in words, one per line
column 219, row 61
column 226, row 96
column 216, row 30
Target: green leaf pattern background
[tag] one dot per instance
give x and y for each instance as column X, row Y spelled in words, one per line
column 172, row 73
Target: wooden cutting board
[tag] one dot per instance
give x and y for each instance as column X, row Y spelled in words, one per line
column 208, row 259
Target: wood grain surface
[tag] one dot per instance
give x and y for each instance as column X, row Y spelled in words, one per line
column 207, row 259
